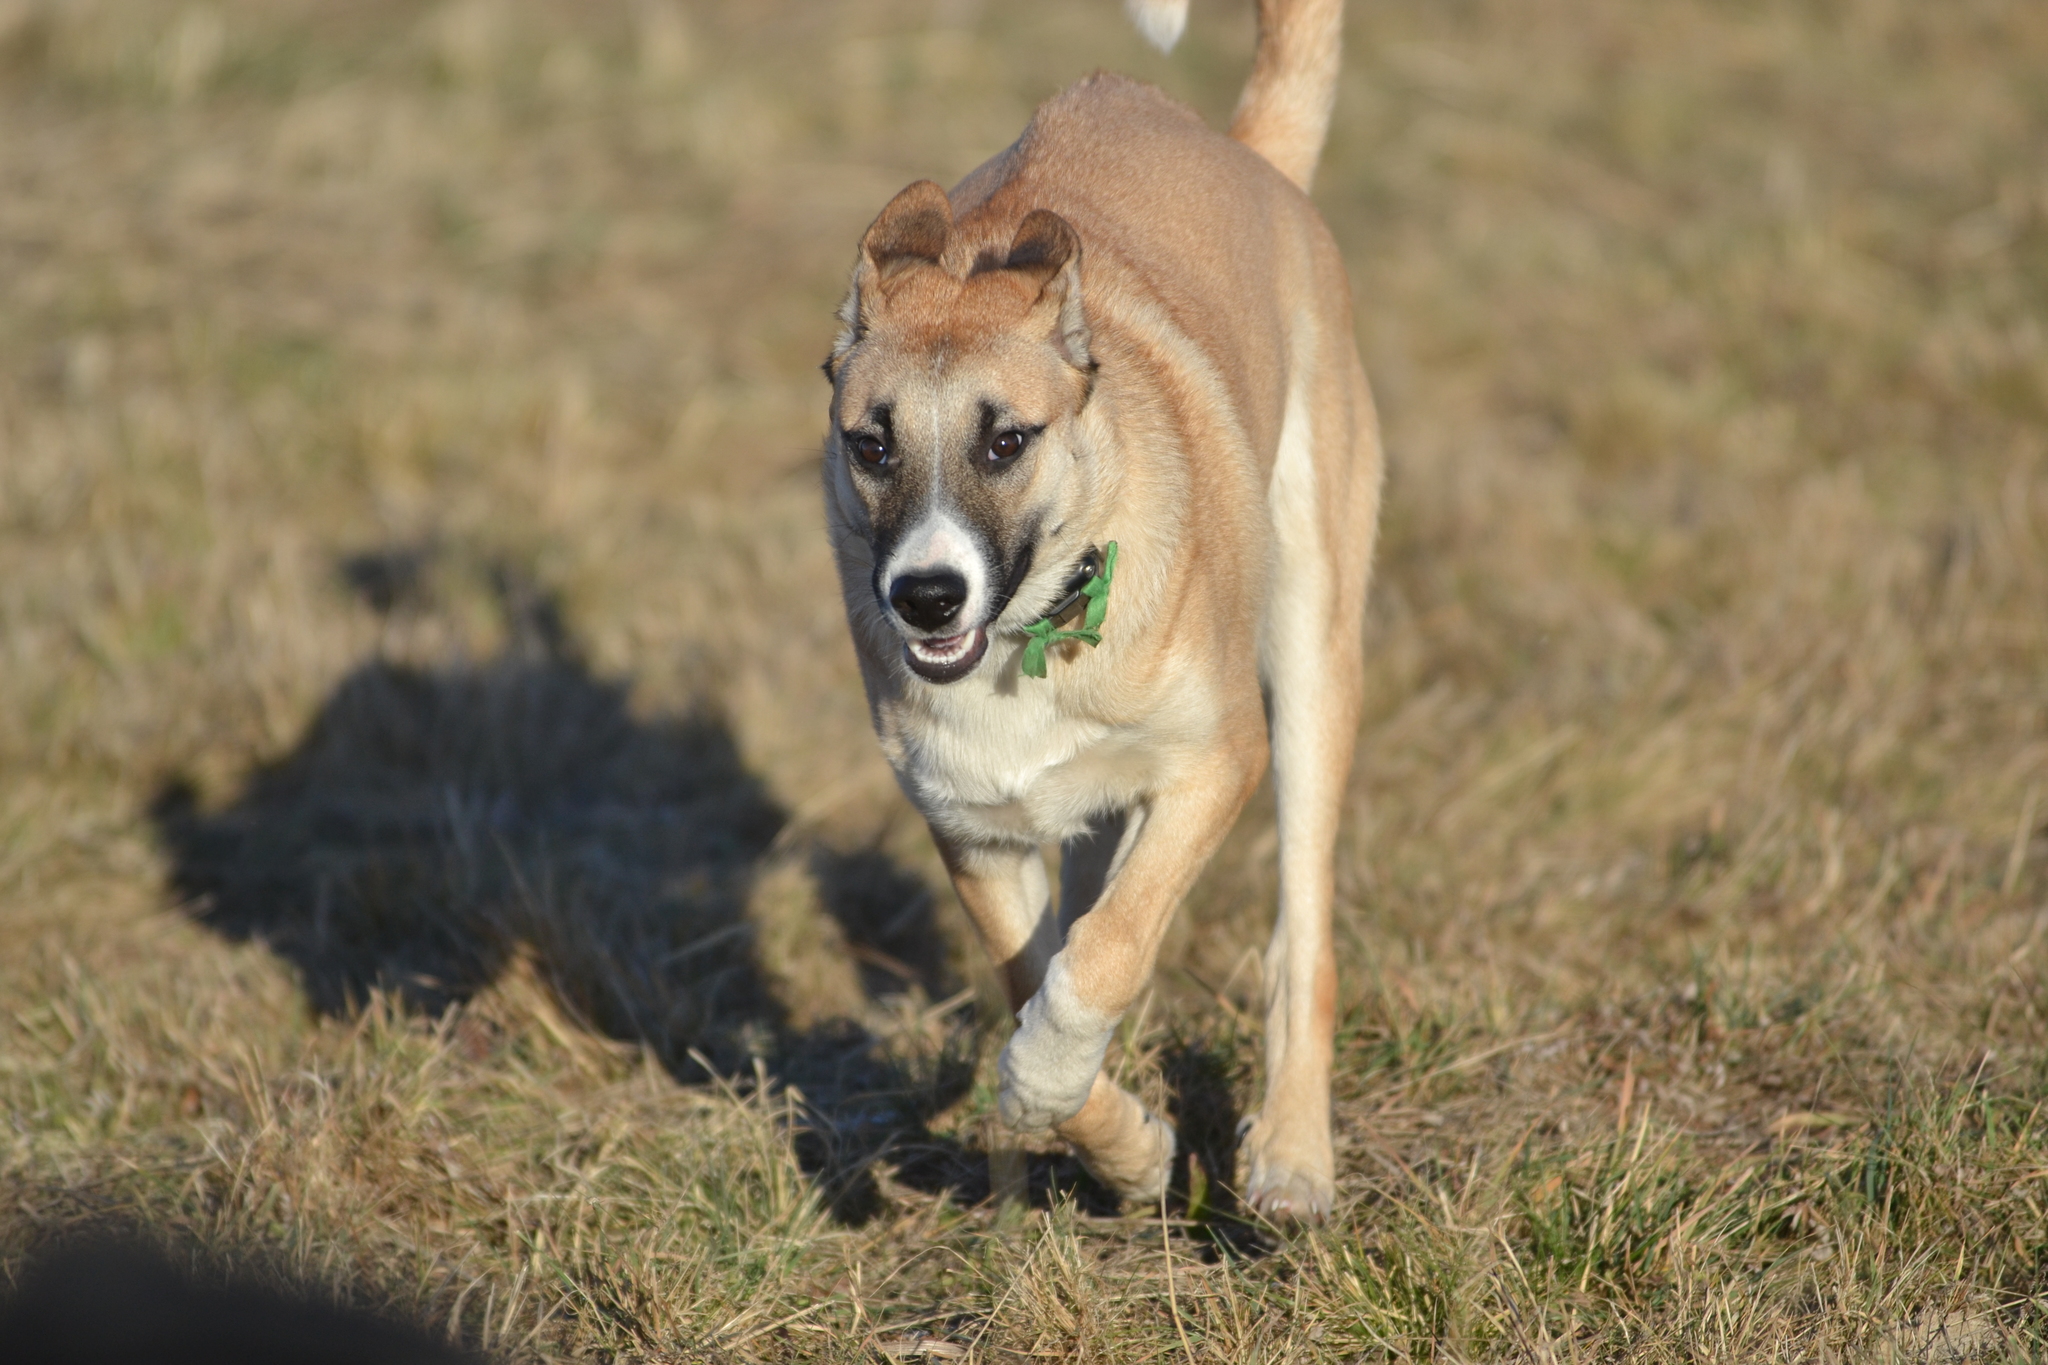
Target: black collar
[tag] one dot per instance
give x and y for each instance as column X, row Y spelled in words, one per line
column 1089, row 567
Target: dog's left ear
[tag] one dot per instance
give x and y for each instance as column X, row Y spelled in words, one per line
column 1048, row 250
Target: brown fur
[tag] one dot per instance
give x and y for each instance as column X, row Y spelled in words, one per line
column 1163, row 309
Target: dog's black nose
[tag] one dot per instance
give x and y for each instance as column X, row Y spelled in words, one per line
column 928, row 600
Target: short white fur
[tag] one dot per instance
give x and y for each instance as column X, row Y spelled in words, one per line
column 940, row 544
column 1050, row 1064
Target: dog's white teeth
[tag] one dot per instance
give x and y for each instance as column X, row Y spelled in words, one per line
column 940, row 650
column 946, row 653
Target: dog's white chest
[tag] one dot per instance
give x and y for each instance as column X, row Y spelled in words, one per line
column 1005, row 767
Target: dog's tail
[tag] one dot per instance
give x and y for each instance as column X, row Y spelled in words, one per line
column 1284, row 112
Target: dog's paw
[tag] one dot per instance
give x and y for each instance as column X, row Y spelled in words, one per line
column 1289, row 1181
column 1137, row 1171
column 1052, row 1060
column 1035, row 1098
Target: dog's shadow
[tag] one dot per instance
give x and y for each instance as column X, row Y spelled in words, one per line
column 437, row 825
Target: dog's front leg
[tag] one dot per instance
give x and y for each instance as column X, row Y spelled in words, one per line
column 1052, row 1069
column 1004, row 891
column 1048, row 1079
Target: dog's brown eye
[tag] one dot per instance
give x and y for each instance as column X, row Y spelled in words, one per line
column 1006, row 446
column 872, row 450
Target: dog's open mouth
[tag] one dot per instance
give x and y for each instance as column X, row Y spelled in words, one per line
column 947, row 659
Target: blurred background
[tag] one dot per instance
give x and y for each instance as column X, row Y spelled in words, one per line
column 434, row 781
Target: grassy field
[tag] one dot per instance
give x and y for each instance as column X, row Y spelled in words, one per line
column 444, row 866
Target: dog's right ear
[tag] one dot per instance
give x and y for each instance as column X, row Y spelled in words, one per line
column 913, row 229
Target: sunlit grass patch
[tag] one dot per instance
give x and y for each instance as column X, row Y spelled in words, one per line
column 444, row 865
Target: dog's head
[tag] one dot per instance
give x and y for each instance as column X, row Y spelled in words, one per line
column 958, row 378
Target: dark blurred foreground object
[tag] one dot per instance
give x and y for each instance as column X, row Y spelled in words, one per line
column 119, row 1305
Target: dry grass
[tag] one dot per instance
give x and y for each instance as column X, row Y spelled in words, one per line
column 443, row 863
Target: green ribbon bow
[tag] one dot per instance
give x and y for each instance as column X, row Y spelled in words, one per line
column 1046, row 631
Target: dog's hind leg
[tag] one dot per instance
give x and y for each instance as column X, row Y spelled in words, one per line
column 1323, row 512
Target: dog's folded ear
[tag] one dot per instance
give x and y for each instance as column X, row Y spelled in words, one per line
column 912, row 229
column 1044, row 243
column 1048, row 250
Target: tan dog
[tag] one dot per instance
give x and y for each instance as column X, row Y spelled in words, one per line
column 1125, row 328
